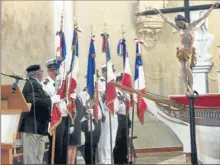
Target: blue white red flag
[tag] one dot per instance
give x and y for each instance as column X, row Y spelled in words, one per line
column 139, row 82
column 127, row 76
column 110, row 89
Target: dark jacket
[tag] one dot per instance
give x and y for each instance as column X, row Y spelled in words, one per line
column 80, row 111
column 42, row 112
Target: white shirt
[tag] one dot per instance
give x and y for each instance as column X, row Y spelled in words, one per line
column 49, row 86
column 121, row 105
column 84, row 97
column 101, row 85
column 102, row 89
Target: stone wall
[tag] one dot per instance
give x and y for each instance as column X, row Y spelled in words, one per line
column 27, row 36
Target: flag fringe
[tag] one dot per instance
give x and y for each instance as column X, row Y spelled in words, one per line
column 51, row 130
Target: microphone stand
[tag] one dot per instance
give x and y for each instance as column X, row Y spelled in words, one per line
column 15, row 84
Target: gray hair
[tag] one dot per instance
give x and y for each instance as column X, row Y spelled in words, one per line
column 32, row 74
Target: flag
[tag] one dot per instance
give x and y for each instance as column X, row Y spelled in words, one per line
column 96, row 98
column 139, row 82
column 61, row 47
column 91, row 68
column 127, row 77
column 110, row 89
column 91, row 75
column 56, row 115
column 73, row 74
column 121, row 50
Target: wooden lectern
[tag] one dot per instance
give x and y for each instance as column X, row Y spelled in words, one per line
column 12, row 105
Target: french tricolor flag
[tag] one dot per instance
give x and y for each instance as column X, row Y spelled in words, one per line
column 56, row 115
column 127, row 76
column 110, row 89
column 92, row 84
column 139, row 82
column 74, row 70
column 139, row 44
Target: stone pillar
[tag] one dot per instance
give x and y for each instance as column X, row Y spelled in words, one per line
column 218, row 71
column 200, row 77
column 202, row 42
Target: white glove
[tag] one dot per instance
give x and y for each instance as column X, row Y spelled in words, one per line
column 55, row 99
column 71, row 129
column 129, row 132
column 73, row 96
column 89, row 111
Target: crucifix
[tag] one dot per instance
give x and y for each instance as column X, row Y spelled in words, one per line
column 186, row 9
column 186, row 51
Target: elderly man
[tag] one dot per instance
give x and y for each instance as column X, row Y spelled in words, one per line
column 104, row 150
column 34, row 124
column 62, row 130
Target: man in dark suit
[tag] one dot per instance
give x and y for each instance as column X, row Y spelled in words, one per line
column 34, row 124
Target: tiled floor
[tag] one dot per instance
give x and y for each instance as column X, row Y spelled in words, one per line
column 157, row 158
column 161, row 158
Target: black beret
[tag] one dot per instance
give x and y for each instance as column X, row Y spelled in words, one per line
column 33, row 68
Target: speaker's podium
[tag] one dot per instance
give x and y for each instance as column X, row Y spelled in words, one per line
column 12, row 105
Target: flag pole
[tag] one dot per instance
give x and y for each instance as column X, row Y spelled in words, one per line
column 106, row 80
column 132, row 133
column 127, row 107
column 56, row 85
column 132, row 125
column 91, row 97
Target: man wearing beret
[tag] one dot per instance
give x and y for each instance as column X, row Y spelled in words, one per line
column 34, row 124
column 62, row 130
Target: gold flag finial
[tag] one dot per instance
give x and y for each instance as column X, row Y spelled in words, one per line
column 61, row 24
column 75, row 21
column 122, row 31
column 91, row 31
column 105, row 29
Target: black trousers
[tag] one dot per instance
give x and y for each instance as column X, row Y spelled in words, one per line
column 61, row 142
column 121, row 146
column 96, row 136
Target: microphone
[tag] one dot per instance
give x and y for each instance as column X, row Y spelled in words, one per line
column 15, row 84
column 14, row 76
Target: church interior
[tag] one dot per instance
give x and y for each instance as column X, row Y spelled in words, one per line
column 28, row 31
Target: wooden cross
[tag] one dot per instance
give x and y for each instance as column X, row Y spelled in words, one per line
column 186, row 9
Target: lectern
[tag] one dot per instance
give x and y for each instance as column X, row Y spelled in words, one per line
column 12, row 105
